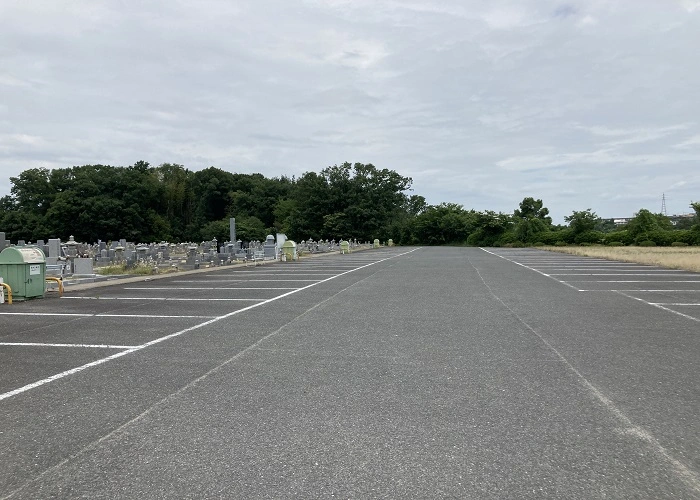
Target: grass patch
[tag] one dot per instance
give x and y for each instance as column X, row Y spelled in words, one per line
column 686, row 258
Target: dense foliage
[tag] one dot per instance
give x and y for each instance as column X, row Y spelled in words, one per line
column 143, row 204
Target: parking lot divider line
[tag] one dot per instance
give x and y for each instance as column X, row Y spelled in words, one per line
column 40, row 344
column 45, row 314
column 163, row 299
column 635, row 281
column 659, row 306
column 66, row 373
column 206, row 288
column 674, row 304
column 107, row 315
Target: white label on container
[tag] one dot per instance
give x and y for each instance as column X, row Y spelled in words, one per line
column 34, row 269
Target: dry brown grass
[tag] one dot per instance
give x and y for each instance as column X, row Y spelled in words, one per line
column 687, row 258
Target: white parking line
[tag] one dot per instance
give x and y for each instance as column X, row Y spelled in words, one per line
column 674, row 304
column 605, row 268
column 274, row 281
column 646, row 291
column 206, row 288
column 531, row 269
column 281, row 273
column 615, row 274
column 97, row 362
column 659, row 306
column 635, row 281
column 104, row 315
column 39, row 344
column 241, row 280
column 165, row 299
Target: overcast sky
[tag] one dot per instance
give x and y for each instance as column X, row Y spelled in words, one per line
column 585, row 104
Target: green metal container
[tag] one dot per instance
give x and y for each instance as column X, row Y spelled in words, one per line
column 24, row 269
column 289, row 250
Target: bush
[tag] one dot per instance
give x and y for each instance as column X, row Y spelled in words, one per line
column 551, row 237
column 615, row 244
column 559, row 243
column 589, row 237
column 679, row 244
column 646, row 243
column 538, row 244
column 658, row 236
column 622, row 236
column 474, row 239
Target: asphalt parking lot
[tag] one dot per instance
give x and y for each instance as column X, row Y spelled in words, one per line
column 398, row 372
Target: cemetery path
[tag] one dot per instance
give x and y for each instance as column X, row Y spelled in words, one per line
column 424, row 373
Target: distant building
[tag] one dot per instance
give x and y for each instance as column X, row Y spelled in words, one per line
column 620, row 221
column 675, row 219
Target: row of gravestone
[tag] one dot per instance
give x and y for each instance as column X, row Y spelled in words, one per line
column 312, row 246
column 79, row 258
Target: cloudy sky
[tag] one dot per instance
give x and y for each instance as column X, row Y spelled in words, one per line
column 585, row 104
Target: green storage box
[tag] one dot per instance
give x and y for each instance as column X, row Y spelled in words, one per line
column 24, row 269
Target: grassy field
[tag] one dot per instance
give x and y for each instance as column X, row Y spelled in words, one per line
column 687, row 258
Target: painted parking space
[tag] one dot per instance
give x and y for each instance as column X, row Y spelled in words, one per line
column 23, row 365
column 97, row 330
column 671, row 290
column 131, row 317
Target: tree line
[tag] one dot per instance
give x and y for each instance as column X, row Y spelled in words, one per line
column 145, row 203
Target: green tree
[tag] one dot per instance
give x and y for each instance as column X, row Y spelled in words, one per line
column 531, row 220
column 359, row 200
column 582, row 225
column 696, row 208
column 644, row 224
column 447, row 223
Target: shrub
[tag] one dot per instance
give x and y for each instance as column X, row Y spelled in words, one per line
column 647, row 243
column 550, row 237
column 589, row 237
column 658, row 236
column 559, row 243
column 621, row 235
column 538, row 244
column 615, row 244
column 473, row 239
column 679, row 244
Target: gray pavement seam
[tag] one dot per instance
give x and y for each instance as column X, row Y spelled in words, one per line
column 93, row 445
column 688, row 476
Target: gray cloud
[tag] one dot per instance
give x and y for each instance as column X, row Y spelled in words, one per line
column 482, row 104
